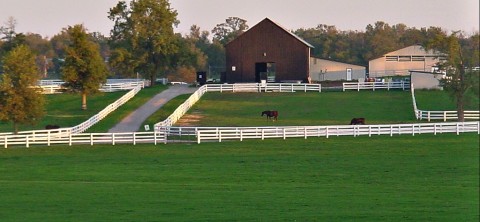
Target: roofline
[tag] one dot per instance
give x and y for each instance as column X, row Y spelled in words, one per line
column 284, row 29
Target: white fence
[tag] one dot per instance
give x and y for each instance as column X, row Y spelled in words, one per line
column 240, row 133
column 247, row 87
column 82, row 127
column 441, row 115
column 266, row 87
column 83, row 138
column 375, row 85
column 112, row 85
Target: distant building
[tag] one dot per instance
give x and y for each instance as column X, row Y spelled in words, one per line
column 400, row 62
column 326, row 70
column 267, row 51
column 426, row 80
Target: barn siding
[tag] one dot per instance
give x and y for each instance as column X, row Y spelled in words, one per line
column 290, row 55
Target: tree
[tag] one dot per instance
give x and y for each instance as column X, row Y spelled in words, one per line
column 229, row 30
column 84, row 69
column 20, row 101
column 458, row 66
column 144, row 30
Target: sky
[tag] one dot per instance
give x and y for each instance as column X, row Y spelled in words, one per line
column 48, row 17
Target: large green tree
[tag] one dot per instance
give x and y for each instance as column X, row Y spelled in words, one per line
column 229, row 30
column 459, row 63
column 84, row 70
column 21, row 102
column 142, row 37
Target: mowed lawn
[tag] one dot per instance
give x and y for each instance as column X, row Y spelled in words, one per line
column 328, row 108
column 65, row 110
column 382, row 178
column 436, row 100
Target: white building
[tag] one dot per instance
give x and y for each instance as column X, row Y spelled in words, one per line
column 326, row 70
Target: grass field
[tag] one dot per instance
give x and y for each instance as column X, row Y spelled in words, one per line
column 329, row 108
column 400, row 178
column 65, row 110
column 436, row 100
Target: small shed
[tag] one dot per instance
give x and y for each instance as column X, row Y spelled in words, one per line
column 267, row 51
column 327, row 70
column 426, row 80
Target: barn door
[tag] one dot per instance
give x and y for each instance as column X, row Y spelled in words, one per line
column 349, row 74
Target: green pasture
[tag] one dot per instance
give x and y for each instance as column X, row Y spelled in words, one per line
column 65, row 110
column 382, row 178
column 328, row 108
column 436, row 100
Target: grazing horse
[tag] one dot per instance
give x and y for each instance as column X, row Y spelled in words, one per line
column 49, row 127
column 273, row 114
column 357, row 121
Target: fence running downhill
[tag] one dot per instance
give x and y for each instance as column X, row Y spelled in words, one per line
column 441, row 115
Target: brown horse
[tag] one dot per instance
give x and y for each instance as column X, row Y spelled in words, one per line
column 271, row 114
column 357, row 121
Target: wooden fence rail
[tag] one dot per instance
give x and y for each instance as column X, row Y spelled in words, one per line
column 112, row 85
column 375, row 85
column 82, row 127
column 240, row 133
column 246, row 87
column 83, row 138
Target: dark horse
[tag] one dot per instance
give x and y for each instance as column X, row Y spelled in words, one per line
column 49, row 127
column 273, row 114
column 357, row 121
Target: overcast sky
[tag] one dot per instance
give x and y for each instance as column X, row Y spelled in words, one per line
column 48, row 17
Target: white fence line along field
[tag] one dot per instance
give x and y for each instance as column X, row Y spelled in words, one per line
column 441, row 115
column 240, row 133
column 246, row 87
column 112, row 85
column 82, row 127
column 82, row 138
column 375, row 85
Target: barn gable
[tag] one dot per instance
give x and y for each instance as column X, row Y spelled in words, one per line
column 267, row 51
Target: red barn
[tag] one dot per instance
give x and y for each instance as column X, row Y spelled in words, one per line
column 267, row 52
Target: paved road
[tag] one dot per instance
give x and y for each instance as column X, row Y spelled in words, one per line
column 132, row 122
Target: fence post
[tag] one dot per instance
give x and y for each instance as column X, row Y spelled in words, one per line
column 134, row 138
column 428, row 116
column 91, row 139
column 445, row 116
column 48, row 138
column 5, row 145
column 413, row 130
column 305, row 132
column 113, row 139
column 458, row 128
column 285, row 136
column 369, row 131
column 28, row 145
column 198, row 137
column 326, row 131
column 478, row 127
column 391, row 130
column 241, row 135
column 305, row 88
column 435, row 129
column 263, row 134
column 70, row 139
column 358, row 87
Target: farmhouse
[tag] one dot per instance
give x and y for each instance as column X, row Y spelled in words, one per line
column 270, row 52
column 400, row 62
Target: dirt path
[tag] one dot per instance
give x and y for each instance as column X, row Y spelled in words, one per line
column 132, row 122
